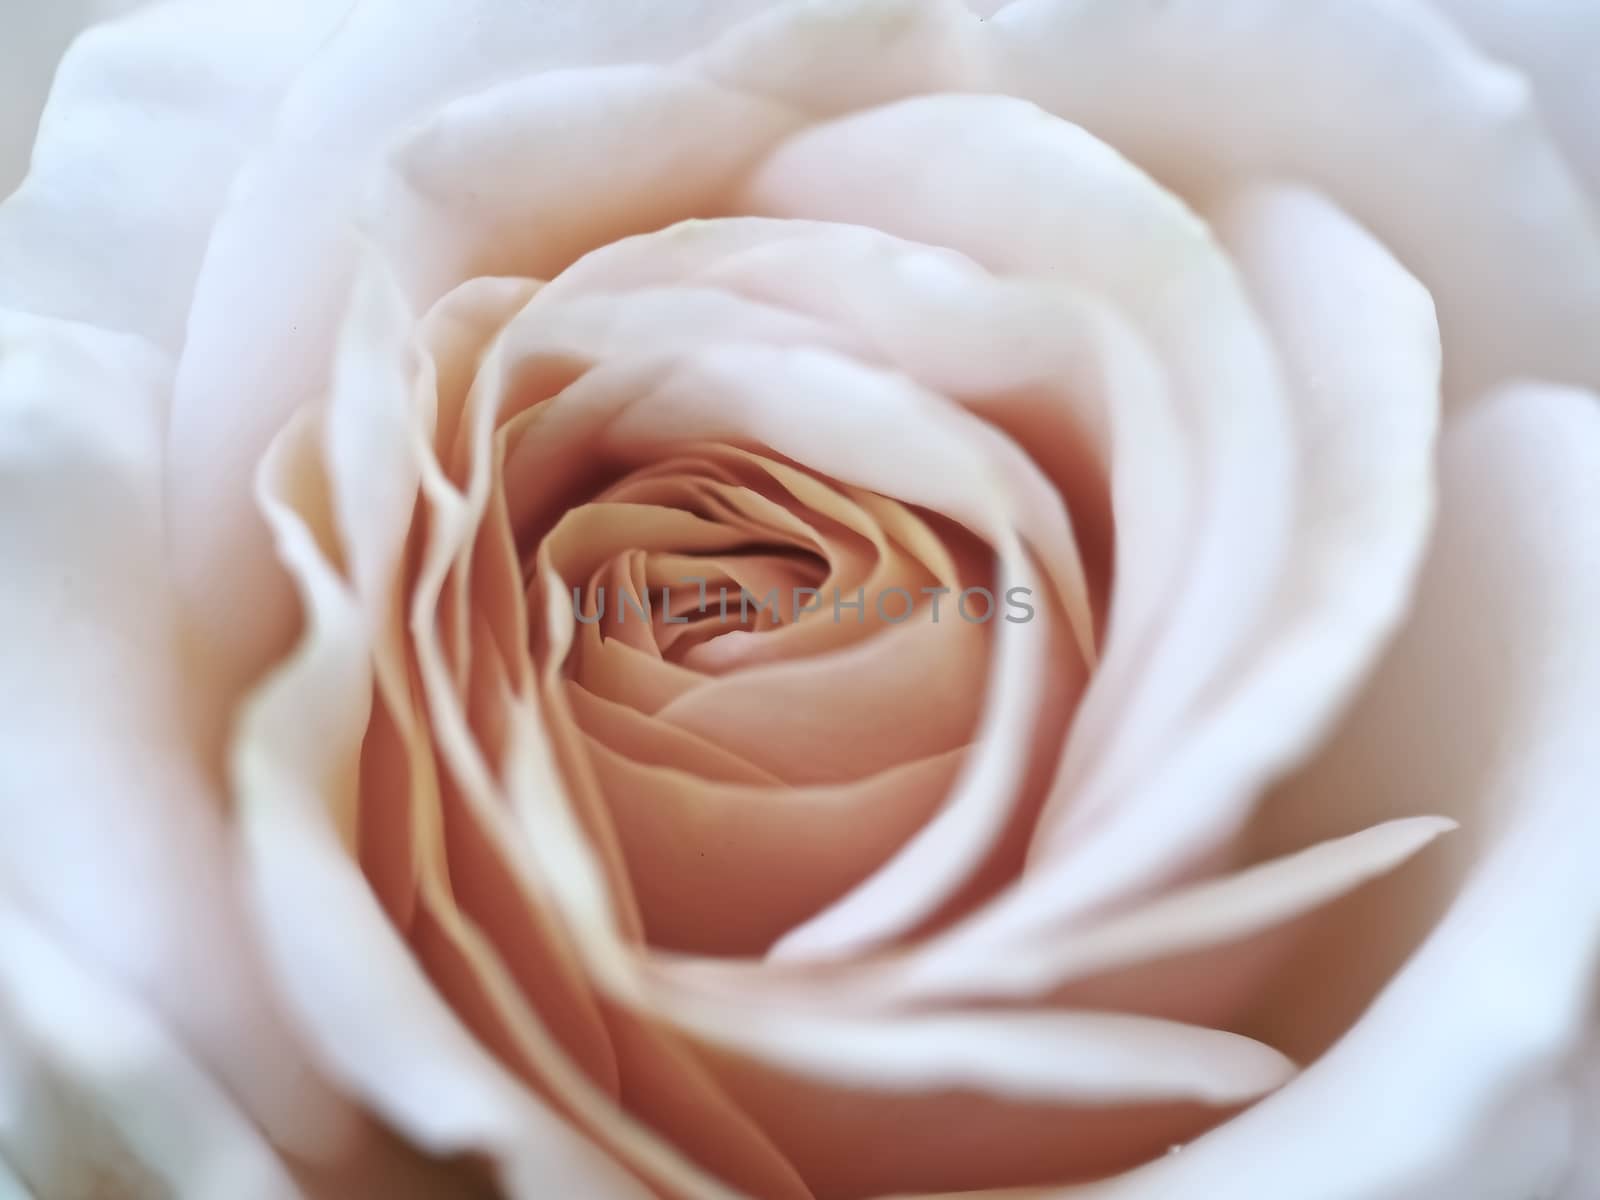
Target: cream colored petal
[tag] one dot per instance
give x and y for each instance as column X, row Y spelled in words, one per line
column 1196, row 917
column 35, row 39
column 638, row 147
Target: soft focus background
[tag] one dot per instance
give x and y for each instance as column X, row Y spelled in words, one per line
column 35, row 33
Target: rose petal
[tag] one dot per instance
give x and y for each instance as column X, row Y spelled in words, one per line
column 1043, row 1057
column 1484, row 708
column 1555, row 43
column 1196, row 917
column 1358, row 338
column 287, row 239
column 831, row 56
column 1116, row 232
column 147, row 125
column 123, row 849
column 759, row 394
column 724, row 868
column 1385, row 107
column 96, row 1096
column 408, row 1056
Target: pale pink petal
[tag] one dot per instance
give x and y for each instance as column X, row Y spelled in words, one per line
column 728, row 868
column 288, row 237
column 1380, row 103
column 1555, row 43
column 1459, row 1080
column 1043, row 1057
column 36, row 36
column 579, row 158
column 147, row 125
column 95, row 1094
column 117, row 835
column 1359, row 343
column 1111, row 230
column 831, row 56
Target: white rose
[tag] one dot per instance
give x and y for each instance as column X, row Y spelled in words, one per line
column 350, row 354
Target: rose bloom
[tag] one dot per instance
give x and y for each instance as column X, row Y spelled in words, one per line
column 354, row 355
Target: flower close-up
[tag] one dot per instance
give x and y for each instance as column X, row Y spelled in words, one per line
column 800, row 599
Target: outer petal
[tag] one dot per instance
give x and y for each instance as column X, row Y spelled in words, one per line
column 144, row 132
column 1556, row 44
column 35, row 36
column 114, row 825
column 1380, row 103
column 287, row 241
column 1458, row 1081
column 97, row 1098
column 1358, row 338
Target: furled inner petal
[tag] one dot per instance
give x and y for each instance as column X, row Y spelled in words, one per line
column 750, row 393
column 1117, row 233
column 1357, row 336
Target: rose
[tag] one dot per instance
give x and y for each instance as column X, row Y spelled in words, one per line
column 953, row 287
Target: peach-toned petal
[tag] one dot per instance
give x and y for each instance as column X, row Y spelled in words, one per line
column 372, row 1016
column 909, row 691
column 727, row 868
column 1048, row 363
column 634, row 735
column 761, row 394
column 520, row 1025
column 852, row 1144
